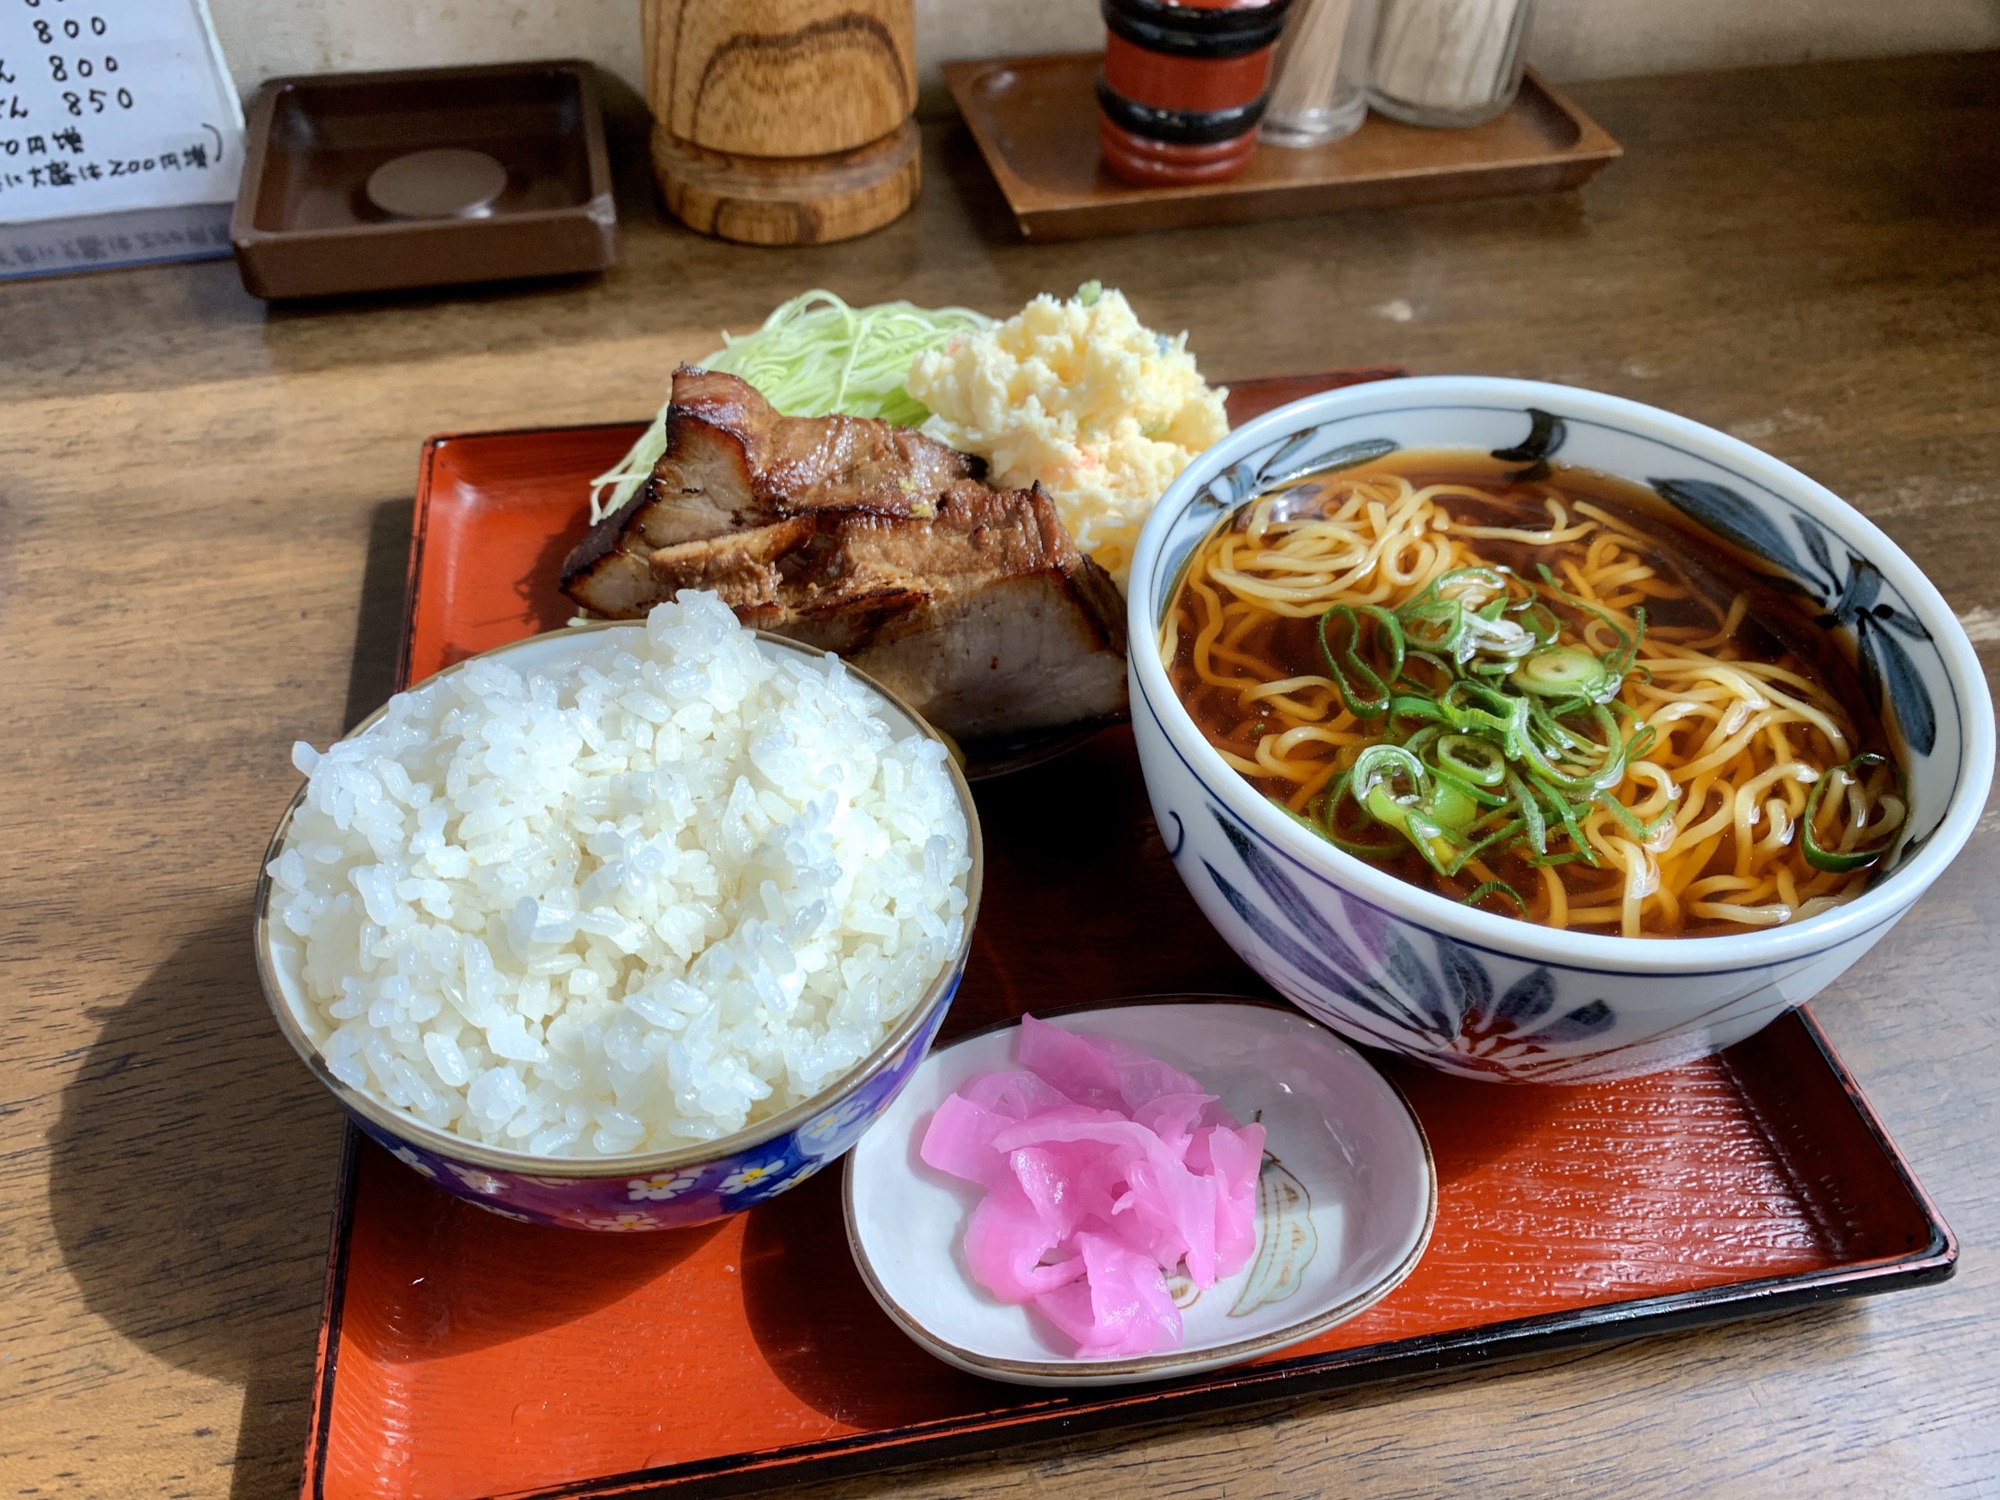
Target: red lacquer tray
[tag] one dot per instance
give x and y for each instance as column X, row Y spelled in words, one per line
column 465, row 1355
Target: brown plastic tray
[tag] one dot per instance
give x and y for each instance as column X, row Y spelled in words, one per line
column 1035, row 119
column 463, row 1355
column 303, row 225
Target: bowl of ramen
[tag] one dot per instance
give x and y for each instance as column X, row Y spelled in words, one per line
column 1537, row 734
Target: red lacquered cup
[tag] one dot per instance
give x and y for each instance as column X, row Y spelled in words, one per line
column 1184, row 86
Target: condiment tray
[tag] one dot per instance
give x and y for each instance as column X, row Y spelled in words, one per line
column 466, row 1355
column 1035, row 120
column 367, row 182
column 1346, row 1199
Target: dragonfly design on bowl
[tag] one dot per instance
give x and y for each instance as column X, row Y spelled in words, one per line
column 1450, row 1004
column 1849, row 592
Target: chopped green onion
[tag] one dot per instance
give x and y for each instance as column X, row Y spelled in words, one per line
column 1491, row 578
column 1480, row 762
column 1405, row 705
column 1545, row 719
column 1421, row 743
column 1495, row 888
column 1566, row 814
column 1437, row 626
column 1561, row 672
column 1531, row 813
column 1329, row 822
column 1451, row 805
column 1363, row 691
column 1838, row 861
column 1474, row 705
column 1499, row 835
column 1539, row 621
column 1486, row 798
column 1619, row 662
column 1640, row 831
column 1495, row 732
column 1414, row 824
column 1378, row 763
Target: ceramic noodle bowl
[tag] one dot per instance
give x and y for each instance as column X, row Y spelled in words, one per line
column 1396, row 966
column 673, row 1189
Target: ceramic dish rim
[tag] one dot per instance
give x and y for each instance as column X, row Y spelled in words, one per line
column 452, row 1147
column 1056, row 1371
column 1768, row 947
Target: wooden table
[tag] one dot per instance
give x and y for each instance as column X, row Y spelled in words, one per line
column 203, row 507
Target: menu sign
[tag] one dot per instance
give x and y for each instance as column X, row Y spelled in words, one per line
column 108, row 106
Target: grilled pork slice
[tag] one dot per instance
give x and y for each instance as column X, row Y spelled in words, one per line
column 971, row 603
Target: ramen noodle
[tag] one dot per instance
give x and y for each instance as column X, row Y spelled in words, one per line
column 1538, row 693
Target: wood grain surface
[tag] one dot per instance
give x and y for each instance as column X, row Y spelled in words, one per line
column 790, row 200
column 203, row 519
column 783, row 122
column 1036, row 118
column 780, row 77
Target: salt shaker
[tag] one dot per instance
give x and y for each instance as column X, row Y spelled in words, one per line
column 1448, row 62
column 1320, row 89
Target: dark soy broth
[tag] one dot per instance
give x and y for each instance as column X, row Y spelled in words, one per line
column 1690, row 579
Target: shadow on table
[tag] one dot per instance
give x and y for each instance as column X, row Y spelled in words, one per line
column 378, row 623
column 433, row 1277
column 189, row 1182
column 978, row 194
column 193, row 1156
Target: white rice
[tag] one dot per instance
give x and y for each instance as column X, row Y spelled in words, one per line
column 638, row 900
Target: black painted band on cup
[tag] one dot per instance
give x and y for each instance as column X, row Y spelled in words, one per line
column 1185, row 31
column 1179, row 127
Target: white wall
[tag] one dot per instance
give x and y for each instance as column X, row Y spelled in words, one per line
column 265, row 38
column 1617, row 38
column 1573, row 38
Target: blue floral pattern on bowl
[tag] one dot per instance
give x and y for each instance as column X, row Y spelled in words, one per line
column 659, row 1190
column 1448, row 1002
column 1849, row 593
column 679, row 1197
column 1491, row 997
column 1457, row 1005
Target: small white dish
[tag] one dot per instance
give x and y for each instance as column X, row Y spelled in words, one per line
column 1346, row 1202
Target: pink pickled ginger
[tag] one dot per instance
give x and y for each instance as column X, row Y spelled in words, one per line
column 1104, row 1170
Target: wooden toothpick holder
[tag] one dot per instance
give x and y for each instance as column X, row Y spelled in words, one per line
column 783, row 122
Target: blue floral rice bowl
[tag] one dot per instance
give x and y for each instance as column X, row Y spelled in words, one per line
column 662, row 1191
column 1484, row 996
column 652, row 1190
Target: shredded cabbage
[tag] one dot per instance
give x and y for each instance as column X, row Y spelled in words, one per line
column 814, row 355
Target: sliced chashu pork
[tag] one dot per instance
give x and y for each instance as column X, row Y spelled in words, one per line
column 871, row 540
